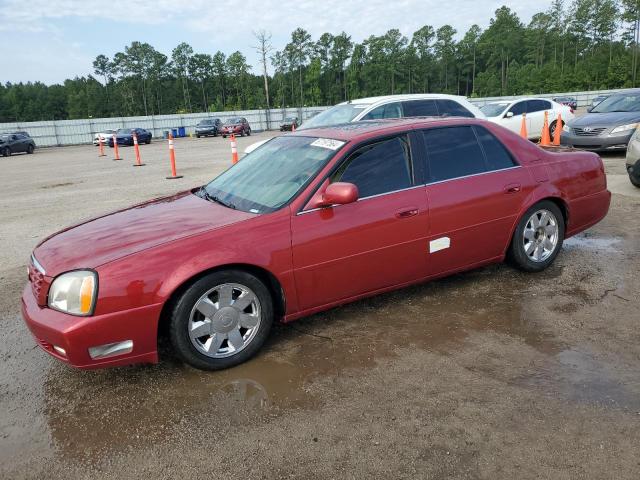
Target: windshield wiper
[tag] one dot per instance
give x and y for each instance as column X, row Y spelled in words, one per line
column 207, row 196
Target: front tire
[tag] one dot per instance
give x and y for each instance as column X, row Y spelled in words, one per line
column 221, row 320
column 635, row 179
column 538, row 237
column 6, row 152
column 249, row 133
column 30, row 149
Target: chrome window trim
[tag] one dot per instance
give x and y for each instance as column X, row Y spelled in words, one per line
column 36, row 264
column 473, row 175
column 415, row 186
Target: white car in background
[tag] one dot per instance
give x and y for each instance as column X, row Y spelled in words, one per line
column 390, row 106
column 509, row 114
column 105, row 134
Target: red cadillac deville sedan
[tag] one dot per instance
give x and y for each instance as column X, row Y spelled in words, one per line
column 305, row 222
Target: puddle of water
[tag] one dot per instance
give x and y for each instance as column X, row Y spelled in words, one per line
column 577, row 376
column 584, row 241
column 116, row 409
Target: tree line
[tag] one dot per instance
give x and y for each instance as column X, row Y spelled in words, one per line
column 577, row 45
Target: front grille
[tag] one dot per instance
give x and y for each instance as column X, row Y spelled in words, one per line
column 589, row 132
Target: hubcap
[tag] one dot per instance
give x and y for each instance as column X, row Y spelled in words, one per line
column 540, row 236
column 224, row 320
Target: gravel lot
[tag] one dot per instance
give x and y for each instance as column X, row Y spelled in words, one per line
column 491, row 374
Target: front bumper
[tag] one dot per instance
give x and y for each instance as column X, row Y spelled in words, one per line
column 229, row 131
column 597, row 143
column 76, row 335
column 208, row 131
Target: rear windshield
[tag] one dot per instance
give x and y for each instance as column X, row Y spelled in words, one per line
column 339, row 114
column 493, row 109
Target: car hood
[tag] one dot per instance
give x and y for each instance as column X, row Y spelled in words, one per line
column 204, row 127
column 124, row 232
column 605, row 119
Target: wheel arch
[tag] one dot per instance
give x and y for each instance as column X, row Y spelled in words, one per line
column 557, row 200
column 269, row 279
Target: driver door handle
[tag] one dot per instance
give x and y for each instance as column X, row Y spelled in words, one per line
column 407, row 212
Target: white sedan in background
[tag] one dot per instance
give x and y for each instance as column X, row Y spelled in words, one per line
column 509, row 114
column 105, row 135
column 390, row 106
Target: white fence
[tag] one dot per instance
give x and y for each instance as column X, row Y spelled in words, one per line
column 74, row 132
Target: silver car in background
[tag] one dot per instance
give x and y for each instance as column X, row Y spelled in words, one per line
column 633, row 158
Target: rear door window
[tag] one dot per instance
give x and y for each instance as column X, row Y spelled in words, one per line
column 453, row 152
column 537, row 105
column 381, row 167
column 497, row 156
column 420, row 108
column 450, row 108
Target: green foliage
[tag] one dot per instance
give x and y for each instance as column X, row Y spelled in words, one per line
column 574, row 45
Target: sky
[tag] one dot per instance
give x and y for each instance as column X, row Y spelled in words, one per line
column 52, row 40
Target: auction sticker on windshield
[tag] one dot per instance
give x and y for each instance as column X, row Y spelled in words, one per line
column 329, row 143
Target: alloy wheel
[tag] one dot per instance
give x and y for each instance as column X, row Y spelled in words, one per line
column 224, row 320
column 540, row 235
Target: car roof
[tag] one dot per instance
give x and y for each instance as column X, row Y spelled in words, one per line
column 408, row 96
column 361, row 130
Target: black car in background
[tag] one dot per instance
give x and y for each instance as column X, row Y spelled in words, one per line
column 124, row 136
column 288, row 124
column 15, row 143
column 570, row 102
column 208, row 127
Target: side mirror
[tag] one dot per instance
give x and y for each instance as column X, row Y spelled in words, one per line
column 339, row 193
column 509, row 115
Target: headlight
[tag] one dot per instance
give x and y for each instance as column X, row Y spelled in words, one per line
column 624, row 128
column 566, row 128
column 74, row 292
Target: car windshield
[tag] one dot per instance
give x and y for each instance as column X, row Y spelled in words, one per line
column 124, row 130
column 493, row 109
column 269, row 177
column 233, row 121
column 619, row 103
column 206, row 122
column 338, row 114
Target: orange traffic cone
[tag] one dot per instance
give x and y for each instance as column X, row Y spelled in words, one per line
column 172, row 159
column 523, row 127
column 558, row 131
column 293, row 127
column 116, row 154
column 136, row 147
column 545, row 140
column 234, row 149
column 101, row 144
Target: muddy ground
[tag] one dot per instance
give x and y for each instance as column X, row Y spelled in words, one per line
column 491, row 374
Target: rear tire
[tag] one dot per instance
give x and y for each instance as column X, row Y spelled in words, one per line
column 249, row 133
column 213, row 328
column 538, row 237
column 30, row 149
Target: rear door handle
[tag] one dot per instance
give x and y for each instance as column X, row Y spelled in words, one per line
column 407, row 212
column 512, row 188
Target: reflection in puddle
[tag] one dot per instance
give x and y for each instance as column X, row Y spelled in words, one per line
column 578, row 376
column 606, row 244
column 116, row 409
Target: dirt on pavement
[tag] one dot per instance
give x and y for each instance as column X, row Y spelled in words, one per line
column 490, row 374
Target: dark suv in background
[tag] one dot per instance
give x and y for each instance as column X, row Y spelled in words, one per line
column 15, row 143
column 208, row 127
